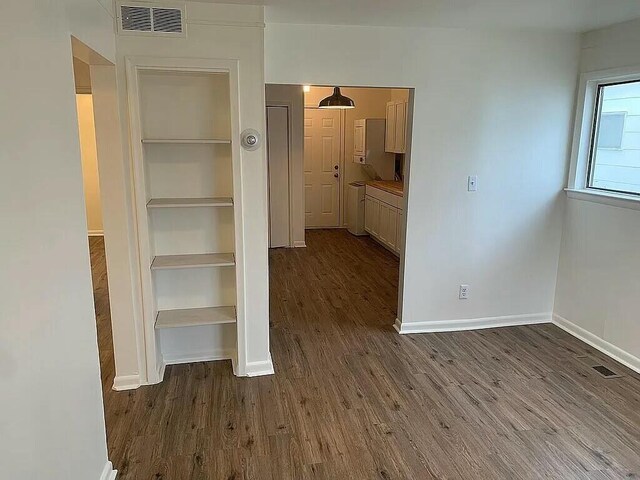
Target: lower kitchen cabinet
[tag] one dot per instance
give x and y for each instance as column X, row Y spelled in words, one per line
column 384, row 222
column 371, row 215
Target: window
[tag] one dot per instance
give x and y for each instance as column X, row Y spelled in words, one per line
column 614, row 153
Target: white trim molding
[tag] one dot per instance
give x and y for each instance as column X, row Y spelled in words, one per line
column 96, row 233
column 299, row 244
column 405, row 328
column 257, row 369
column 108, row 473
column 126, row 382
column 194, row 357
column 607, row 198
column 598, row 343
column 582, row 132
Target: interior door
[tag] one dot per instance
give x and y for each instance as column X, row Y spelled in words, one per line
column 322, row 137
column 278, row 162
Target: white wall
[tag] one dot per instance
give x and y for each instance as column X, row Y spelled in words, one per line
column 90, row 176
column 222, row 31
column 598, row 281
column 494, row 104
column 52, row 423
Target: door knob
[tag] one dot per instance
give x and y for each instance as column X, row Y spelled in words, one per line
column 336, row 175
column 335, row 167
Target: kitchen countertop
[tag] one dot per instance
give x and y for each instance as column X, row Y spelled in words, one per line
column 396, row 188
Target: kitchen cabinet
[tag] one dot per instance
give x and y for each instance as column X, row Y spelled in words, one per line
column 399, row 236
column 371, row 215
column 390, row 128
column 396, row 126
column 384, row 218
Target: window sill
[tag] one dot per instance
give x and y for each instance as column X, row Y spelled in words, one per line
column 606, row 198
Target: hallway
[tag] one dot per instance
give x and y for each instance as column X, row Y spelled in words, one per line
column 353, row 399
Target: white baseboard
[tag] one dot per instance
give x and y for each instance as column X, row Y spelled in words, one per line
column 257, row 369
column 405, row 328
column 108, row 473
column 96, row 233
column 193, row 357
column 126, row 382
column 299, row 244
column 598, row 343
column 161, row 368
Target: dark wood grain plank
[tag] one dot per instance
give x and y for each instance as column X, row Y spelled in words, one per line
column 351, row 399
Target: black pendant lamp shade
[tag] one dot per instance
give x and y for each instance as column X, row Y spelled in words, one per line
column 337, row 100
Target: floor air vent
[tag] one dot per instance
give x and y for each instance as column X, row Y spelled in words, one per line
column 150, row 20
column 605, row 372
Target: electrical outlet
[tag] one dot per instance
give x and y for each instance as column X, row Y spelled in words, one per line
column 464, row 292
column 472, row 183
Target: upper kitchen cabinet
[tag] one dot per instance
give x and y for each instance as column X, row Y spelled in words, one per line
column 396, row 126
column 368, row 147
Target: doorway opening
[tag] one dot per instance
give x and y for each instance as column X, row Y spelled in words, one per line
column 95, row 228
column 99, row 133
column 337, row 185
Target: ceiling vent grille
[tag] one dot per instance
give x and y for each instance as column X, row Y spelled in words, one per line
column 151, row 20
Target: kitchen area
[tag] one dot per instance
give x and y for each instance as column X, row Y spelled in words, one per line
column 337, row 161
column 375, row 206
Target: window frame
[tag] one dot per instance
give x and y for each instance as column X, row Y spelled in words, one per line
column 585, row 136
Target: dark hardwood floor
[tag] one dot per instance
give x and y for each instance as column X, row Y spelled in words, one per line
column 351, row 399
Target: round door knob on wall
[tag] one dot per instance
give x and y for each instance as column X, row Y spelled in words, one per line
column 250, row 139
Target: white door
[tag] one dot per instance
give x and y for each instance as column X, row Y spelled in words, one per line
column 322, row 136
column 278, row 161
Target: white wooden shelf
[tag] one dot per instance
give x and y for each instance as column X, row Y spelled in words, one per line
column 186, row 140
column 197, row 260
column 190, row 202
column 193, row 317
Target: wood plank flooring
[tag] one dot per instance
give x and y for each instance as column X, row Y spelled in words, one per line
column 351, row 399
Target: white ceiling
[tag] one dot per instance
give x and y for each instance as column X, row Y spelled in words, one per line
column 566, row 15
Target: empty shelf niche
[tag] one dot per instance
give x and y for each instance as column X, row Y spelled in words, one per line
column 192, row 317
column 195, row 260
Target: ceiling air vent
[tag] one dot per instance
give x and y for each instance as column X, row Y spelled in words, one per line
column 151, row 20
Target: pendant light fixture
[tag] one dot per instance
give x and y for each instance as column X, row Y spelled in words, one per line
column 337, row 101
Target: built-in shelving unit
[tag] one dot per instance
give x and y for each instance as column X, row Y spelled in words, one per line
column 192, row 317
column 190, row 202
column 186, row 140
column 194, row 260
column 185, row 167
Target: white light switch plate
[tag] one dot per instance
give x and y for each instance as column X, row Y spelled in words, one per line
column 472, row 183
